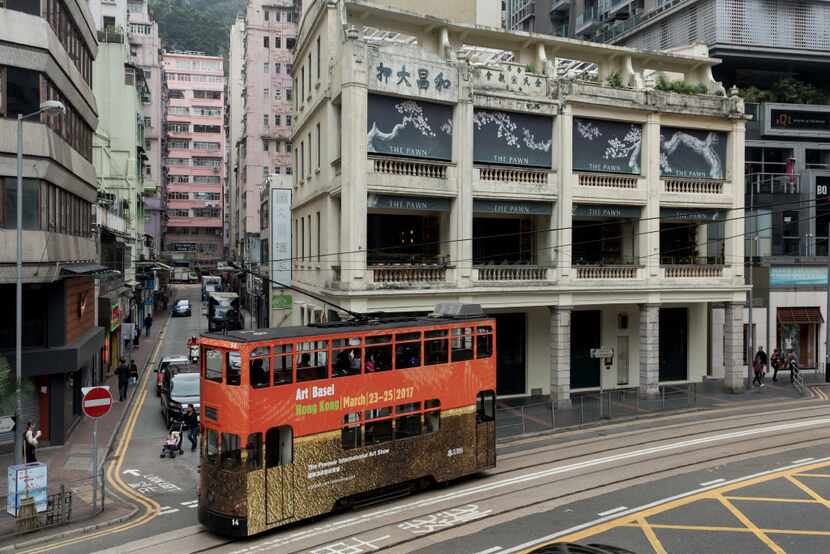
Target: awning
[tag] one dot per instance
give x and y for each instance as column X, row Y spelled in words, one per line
column 82, row 269
column 800, row 315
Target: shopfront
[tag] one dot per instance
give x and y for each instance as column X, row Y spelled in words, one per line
column 605, row 234
column 406, row 230
column 798, row 300
column 507, row 232
column 691, row 236
column 112, row 308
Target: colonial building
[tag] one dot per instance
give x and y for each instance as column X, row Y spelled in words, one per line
column 597, row 220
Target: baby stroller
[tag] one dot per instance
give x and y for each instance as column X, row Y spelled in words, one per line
column 173, row 444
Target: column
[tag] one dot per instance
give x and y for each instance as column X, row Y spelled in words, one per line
column 649, row 228
column 563, row 210
column 460, row 247
column 733, row 339
column 560, row 355
column 649, row 350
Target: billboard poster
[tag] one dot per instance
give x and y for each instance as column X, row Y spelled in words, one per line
column 509, row 138
column 409, row 128
column 280, row 258
column 606, row 146
column 798, row 276
column 27, row 480
column 692, row 153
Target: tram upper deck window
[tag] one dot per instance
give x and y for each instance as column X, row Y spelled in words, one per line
column 346, row 355
column 283, row 364
column 378, row 353
column 462, row 344
column 407, row 350
column 435, row 347
column 213, row 365
column 258, row 367
column 231, row 454
column 484, row 342
column 312, row 360
column 234, row 365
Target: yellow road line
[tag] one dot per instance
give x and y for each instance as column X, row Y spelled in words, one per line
column 652, row 538
column 810, row 492
column 823, row 475
column 151, row 507
column 715, row 528
column 750, row 525
column 770, row 499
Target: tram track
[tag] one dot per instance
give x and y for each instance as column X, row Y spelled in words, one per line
column 297, row 533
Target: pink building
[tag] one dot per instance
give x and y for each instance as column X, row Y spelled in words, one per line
column 195, row 149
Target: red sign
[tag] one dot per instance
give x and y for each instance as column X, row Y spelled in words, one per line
column 97, row 401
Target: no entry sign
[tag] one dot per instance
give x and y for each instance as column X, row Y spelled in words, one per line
column 97, row 401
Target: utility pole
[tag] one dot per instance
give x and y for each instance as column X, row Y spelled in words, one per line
column 754, row 226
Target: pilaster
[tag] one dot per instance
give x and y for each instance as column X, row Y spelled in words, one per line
column 649, row 349
column 734, row 378
column 560, row 356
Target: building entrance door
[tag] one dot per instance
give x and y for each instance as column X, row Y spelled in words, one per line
column 585, row 335
column 511, row 354
column 674, row 344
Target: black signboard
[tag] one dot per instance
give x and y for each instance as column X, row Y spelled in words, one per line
column 604, row 211
column 692, row 153
column 409, row 128
column 691, row 214
column 418, row 203
column 509, row 138
column 606, row 146
column 800, row 120
column 510, row 207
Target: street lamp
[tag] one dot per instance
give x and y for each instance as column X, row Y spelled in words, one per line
column 49, row 107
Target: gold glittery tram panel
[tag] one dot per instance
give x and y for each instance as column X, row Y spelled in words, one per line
column 322, row 472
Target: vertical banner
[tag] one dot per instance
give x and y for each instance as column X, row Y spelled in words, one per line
column 692, row 153
column 509, row 138
column 280, row 255
column 606, row 146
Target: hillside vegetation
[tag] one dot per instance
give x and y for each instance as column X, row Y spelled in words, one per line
column 198, row 25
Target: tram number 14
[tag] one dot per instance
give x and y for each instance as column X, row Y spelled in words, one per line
column 455, row 452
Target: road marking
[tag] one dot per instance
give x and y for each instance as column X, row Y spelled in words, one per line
column 164, row 510
column 802, row 460
column 133, row 472
column 652, row 538
column 600, row 525
column 768, row 499
column 748, row 523
column 810, row 492
column 498, row 484
column 191, row 504
column 612, row 511
column 716, row 481
column 490, row 550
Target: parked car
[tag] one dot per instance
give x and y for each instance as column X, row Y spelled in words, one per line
column 179, row 390
column 166, row 363
column 182, row 308
column 574, row 548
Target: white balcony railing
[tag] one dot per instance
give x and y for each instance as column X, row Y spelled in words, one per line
column 693, row 186
column 512, row 272
column 509, row 175
column 608, row 180
column 693, row 271
column 606, row 272
column 404, row 274
column 409, row 168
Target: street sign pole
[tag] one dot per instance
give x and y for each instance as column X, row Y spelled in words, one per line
column 95, row 466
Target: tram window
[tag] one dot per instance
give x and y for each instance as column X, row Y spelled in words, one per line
column 258, row 367
column 407, row 408
column 312, row 360
column 378, row 358
column 378, row 413
column 254, row 451
column 346, row 354
column 212, row 454
column 350, row 434
column 462, row 344
column 379, row 339
column 484, row 342
column 279, row 447
column 378, row 431
column 213, row 366
column 408, row 426
column 234, row 365
column 283, row 364
column 435, row 351
column 231, row 452
column 431, row 404
column 485, row 406
column 432, row 421
column 407, row 350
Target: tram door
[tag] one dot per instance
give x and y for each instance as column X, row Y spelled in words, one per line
column 279, row 474
column 486, row 429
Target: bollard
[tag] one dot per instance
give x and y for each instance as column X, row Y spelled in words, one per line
column 524, row 426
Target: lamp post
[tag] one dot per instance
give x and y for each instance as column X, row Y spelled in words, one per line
column 48, row 107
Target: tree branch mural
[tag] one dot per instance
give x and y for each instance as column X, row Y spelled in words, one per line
column 413, row 115
column 628, row 147
column 705, row 148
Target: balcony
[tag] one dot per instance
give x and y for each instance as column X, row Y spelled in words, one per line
column 498, row 181
column 510, row 175
column 560, row 7
column 403, row 176
column 402, row 275
column 607, row 180
column 773, row 183
column 586, row 21
column 693, row 271
column 693, row 186
column 409, row 168
column 512, row 273
column 607, row 272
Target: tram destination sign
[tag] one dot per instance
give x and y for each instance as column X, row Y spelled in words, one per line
column 796, row 120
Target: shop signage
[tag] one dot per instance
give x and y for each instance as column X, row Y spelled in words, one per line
column 692, row 153
column 281, row 301
column 6, row 424
column 27, row 480
column 409, row 128
column 507, row 207
column 798, row 276
column 401, row 75
column 606, row 146
column 115, row 316
column 280, row 256
column 606, row 211
column 416, row 203
column 682, row 214
column 508, row 138
column 796, row 120
column 822, row 188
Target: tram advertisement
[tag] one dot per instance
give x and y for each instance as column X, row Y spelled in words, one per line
column 313, row 400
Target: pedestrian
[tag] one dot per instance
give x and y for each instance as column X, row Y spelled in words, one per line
column 792, row 364
column 775, row 362
column 148, row 322
column 191, row 419
column 30, row 438
column 133, row 372
column 164, row 301
column 123, row 372
column 759, row 366
column 136, row 336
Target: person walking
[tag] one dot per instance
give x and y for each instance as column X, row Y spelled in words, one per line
column 775, row 362
column 123, row 372
column 30, row 437
column 759, row 366
column 148, row 323
column 191, row 419
column 792, row 365
column 133, row 372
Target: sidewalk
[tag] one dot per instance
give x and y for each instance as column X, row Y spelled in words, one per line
column 69, row 464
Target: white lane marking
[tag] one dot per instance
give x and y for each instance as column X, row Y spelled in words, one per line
column 802, row 460
column 190, row 503
column 490, row 550
column 133, row 472
column 716, row 481
column 330, row 527
column 638, row 509
column 167, row 510
column 612, row 511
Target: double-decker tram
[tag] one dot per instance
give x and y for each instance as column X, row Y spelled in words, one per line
column 299, row 420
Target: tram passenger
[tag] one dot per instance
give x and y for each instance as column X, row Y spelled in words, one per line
column 370, row 364
column 354, row 360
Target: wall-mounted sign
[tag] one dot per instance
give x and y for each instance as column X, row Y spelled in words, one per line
column 798, row 276
column 686, row 214
column 508, row 207
column 403, row 75
column 606, row 211
column 796, row 120
column 409, row 128
column 281, row 301
column 115, row 316
column 416, row 203
column 280, row 256
column 509, row 138
column 692, row 153
column 606, row 146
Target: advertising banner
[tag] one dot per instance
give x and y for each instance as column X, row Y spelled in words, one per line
column 692, row 153
column 508, row 138
column 27, row 480
column 281, row 235
column 798, row 276
column 606, row 146
column 409, row 128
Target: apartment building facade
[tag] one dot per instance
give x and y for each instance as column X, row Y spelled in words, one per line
column 48, row 54
column 194, row 156
column 597, row 225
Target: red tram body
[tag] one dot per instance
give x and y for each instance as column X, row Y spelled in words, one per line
column 296, row 420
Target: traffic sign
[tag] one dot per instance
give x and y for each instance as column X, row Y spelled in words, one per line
column 97, row 401
column 602, row 352
column 6, row 424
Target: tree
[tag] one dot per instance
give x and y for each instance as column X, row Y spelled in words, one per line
column 8, row 400
column 196, row 25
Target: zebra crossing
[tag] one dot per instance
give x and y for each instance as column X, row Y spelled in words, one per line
column 171, row 510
